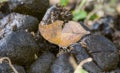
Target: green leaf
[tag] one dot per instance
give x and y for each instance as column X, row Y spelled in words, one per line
column 93, row 17
column 64, row 2
column 83, row 71
column 77, row 15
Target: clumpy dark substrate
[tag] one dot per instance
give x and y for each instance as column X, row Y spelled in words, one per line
column 29, row 52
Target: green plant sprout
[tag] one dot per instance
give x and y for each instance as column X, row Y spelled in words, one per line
column 64, row 2
column 80, row 13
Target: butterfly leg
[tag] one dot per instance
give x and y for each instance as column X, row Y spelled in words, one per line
column 83, row 44
column 62, row 50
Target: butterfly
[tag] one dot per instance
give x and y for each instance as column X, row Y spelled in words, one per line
column 62, row 34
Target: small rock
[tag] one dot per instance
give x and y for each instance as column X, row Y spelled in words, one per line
column 16, row 21
column 62, row 65
column 103, row 51
column 80, row 53
column 104, row 26
column 42, row 64
column 5, row 68
column 35, row 8
column 20, row 47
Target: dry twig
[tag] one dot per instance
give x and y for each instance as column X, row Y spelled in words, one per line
column 78, row 67
column 9, row 62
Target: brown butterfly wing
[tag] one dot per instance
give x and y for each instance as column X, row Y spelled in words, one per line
column 52, row 32
column 71, row 33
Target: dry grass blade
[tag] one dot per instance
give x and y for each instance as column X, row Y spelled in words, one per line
column 73, row 62
column 76, row 67
column 79, row 67
column 9, row 62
